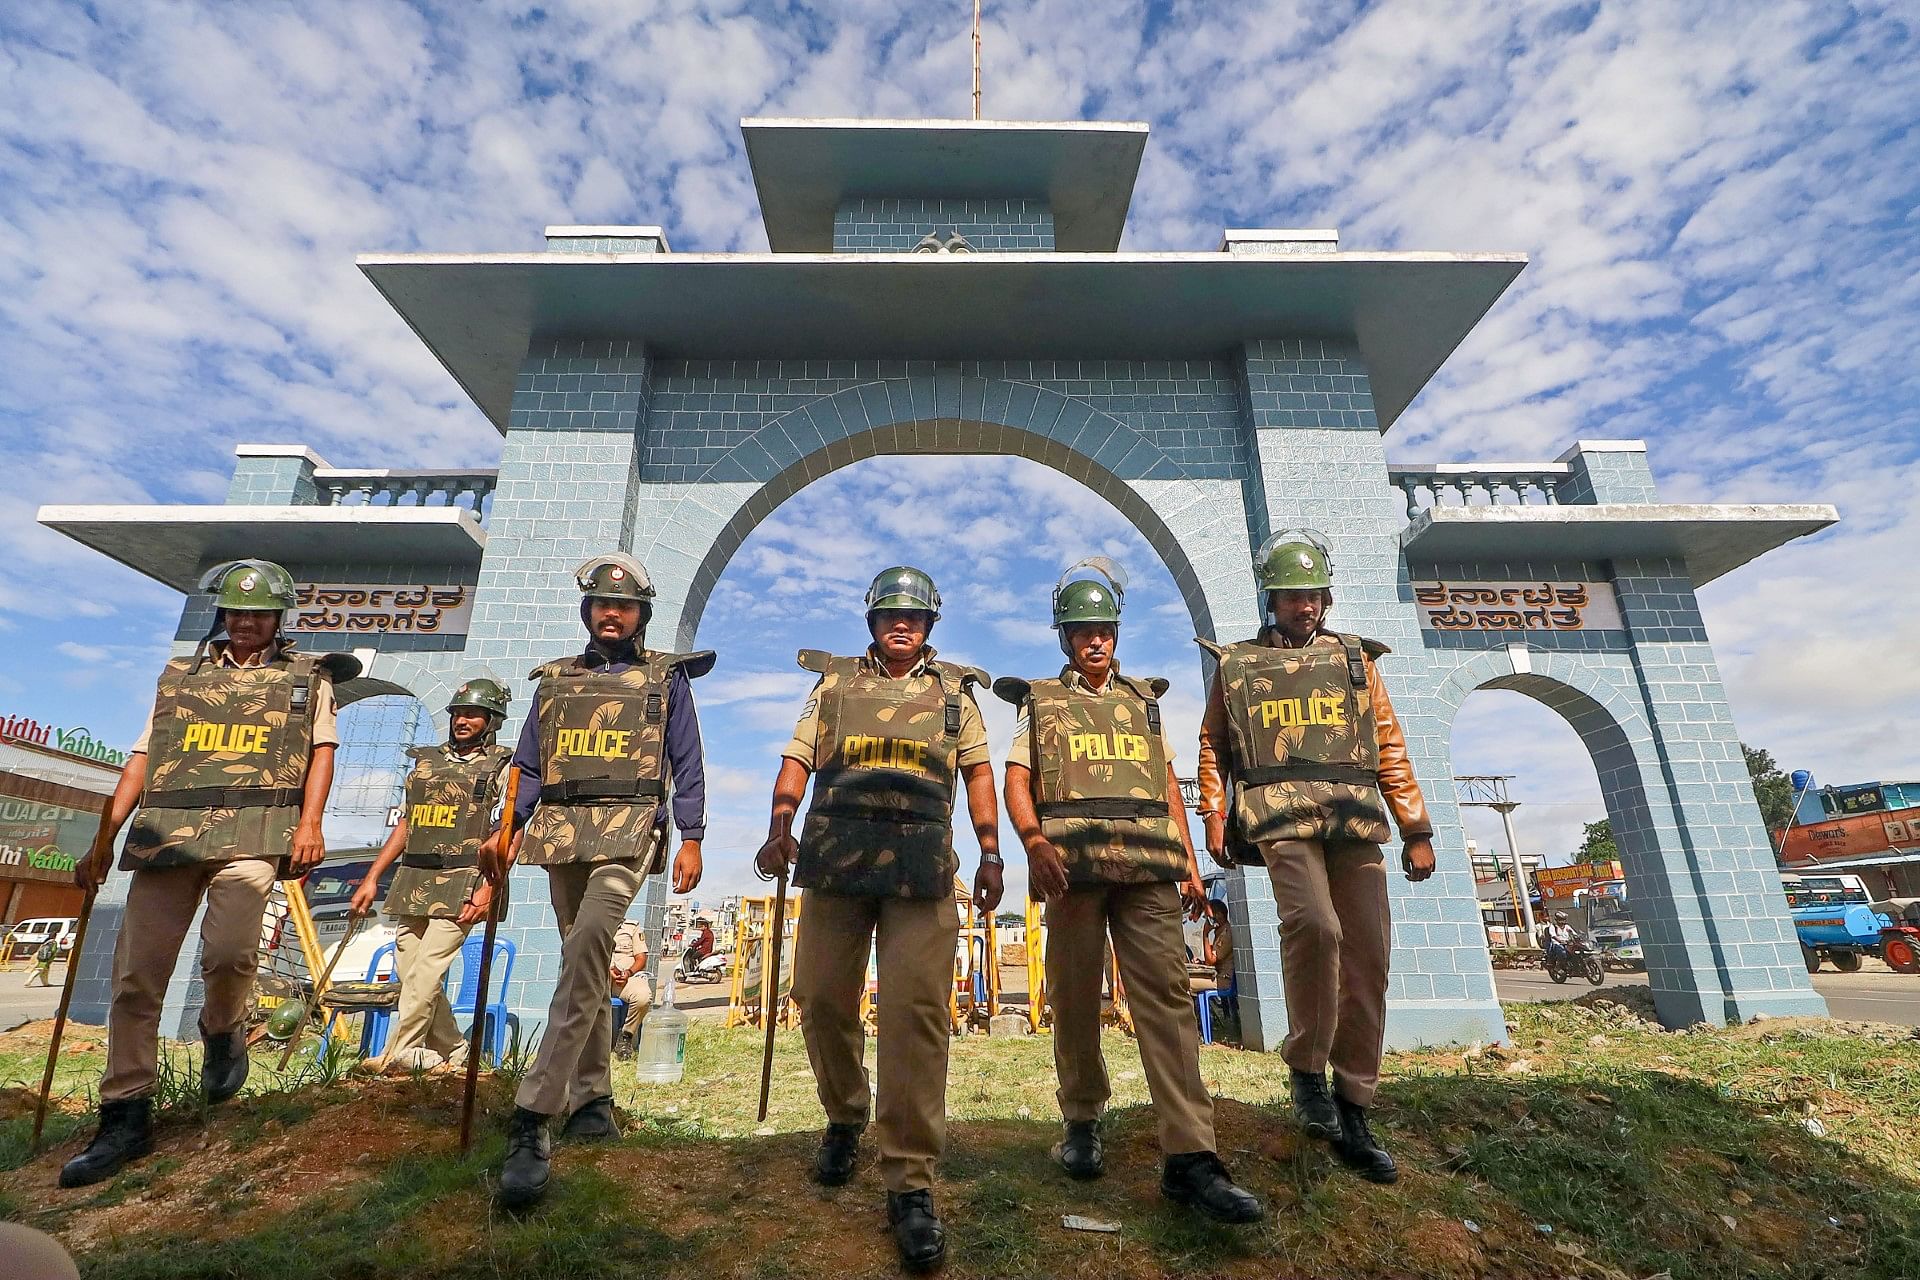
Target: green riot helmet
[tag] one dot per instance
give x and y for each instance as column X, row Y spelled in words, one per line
column 284, row 1020
column 615, row 577
column 482, row 693
column 903, row 587
column 1293, row 560
column 249, row 584
column 1085, row 599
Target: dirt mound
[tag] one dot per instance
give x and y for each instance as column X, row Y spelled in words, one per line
column 1766, row 1027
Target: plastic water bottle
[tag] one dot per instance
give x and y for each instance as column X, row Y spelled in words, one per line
column 662, row 1053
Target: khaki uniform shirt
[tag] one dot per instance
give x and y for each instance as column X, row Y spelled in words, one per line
column 973, row 732
column 326, row 716
column 629, row 947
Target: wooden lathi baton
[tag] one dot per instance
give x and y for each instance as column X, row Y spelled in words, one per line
column 101, row 837
column 776, row 937
column 319, row 989
column 496, row 905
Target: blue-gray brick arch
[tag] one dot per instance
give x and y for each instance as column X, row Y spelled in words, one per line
column 971, row 415
column 1597, row 695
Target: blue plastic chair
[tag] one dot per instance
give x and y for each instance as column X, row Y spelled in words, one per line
column 1203, row 1006
column 493, row 1034
column 375, row 1023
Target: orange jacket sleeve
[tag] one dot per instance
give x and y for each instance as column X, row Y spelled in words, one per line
column 1216, row 752
column 1397, row 783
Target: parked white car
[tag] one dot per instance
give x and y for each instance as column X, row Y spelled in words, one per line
column 29, row 936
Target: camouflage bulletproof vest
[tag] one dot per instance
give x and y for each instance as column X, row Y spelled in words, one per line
column 880, row 824
column 603, row 760
column 1100, row 781
column 226, row 763
column 1306, row 762
column 449, row 810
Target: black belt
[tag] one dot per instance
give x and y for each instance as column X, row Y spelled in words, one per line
column 1353, row 775
column 225, row 798
column 602, row 790
column 893, row 816
column 438, row 862
column 1104, row 807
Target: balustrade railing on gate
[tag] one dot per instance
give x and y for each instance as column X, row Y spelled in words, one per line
column 1459, row 484
column 340, row 487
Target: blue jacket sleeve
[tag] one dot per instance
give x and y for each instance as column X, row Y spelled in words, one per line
column 686, row 758
column 527, row 756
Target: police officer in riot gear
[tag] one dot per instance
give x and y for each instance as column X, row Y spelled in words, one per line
column 1299, row 720
column 438, row 894
column 1091, row 791
column 225, row 788
column 612, row 738
column 889, row 738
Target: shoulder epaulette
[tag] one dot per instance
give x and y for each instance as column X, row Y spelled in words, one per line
column 814, row 660
column 1012, row 689
column 695, row 664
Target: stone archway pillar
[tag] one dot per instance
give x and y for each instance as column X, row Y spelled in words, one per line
column 1319, row 461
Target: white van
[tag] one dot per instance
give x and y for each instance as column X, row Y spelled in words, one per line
column 28, row 936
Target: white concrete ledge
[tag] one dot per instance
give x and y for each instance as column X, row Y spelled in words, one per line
column 1712, row 540
column 170, row 544
column 278, row 451
column 1602, row 446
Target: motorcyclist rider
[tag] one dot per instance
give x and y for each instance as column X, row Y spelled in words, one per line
column 1557, row 939
column 700, row 946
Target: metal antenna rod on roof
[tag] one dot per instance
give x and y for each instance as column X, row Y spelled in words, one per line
column 976, row 59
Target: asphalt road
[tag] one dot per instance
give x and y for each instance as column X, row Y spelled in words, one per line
column 20, row 1003
column 1875, row 994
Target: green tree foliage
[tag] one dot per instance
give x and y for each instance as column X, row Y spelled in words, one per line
column 1596, row 843
column 1771, row 787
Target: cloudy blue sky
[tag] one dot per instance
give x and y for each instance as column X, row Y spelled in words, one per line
column 1720, row 202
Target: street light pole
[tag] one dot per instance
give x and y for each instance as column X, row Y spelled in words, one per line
column 1489, row 791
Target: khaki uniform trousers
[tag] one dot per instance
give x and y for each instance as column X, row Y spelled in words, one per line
column 424, row 949
column 1335, row 937
column 638, row 993
column 1144, row 920
column 575, row 1062
column 160, row 906
column 916, row 939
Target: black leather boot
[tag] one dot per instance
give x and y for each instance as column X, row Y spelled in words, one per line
column 1080, row 1152
column 838, row 1146
column 591, row 1122
column 917, row 1232
column 623, row 1047
column 126, row 1133
column 1199, row 1179
column 1313, row 1108
column 528, row 1169
column 1357, row 1147
column 223, row 1068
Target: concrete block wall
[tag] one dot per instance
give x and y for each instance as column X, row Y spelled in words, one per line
column 886, row 224
column 273, row 475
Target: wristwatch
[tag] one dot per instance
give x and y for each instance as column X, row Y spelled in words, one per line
column 992, row 859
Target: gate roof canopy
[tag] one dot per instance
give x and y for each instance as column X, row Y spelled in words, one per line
column 1083, row 169
column 478, row 313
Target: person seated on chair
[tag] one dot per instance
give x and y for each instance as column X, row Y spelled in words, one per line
column 1219, row 942
column 629, row 974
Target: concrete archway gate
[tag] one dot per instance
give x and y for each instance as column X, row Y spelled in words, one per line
column 948, row 287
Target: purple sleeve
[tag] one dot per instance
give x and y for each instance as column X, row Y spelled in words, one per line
column 527, row 757
column 686, row 758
